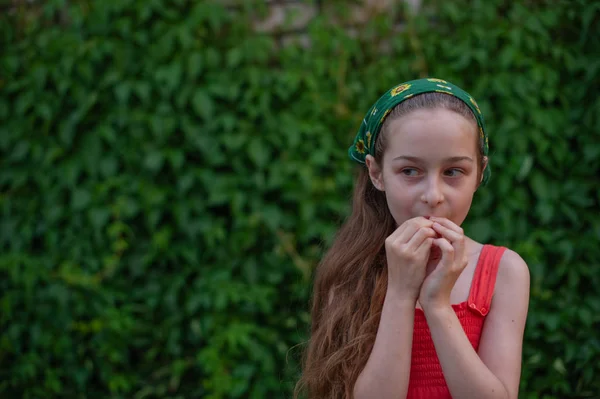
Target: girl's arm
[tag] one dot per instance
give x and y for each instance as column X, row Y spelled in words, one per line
column 495, row 371
column 387, row 371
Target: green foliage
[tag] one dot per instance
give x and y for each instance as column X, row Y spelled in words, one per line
column 168, row 180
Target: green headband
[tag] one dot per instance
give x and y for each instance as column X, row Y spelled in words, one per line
column 364, row 143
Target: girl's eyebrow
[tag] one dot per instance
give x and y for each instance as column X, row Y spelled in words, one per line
column 447, row 160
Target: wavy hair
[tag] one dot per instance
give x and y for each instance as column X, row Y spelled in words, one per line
column 351, row 279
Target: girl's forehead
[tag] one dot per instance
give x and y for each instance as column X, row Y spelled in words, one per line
column 438, row 131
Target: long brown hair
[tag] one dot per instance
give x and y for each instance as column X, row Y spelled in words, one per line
column 351, row 279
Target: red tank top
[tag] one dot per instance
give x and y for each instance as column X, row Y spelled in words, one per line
column 426, row 377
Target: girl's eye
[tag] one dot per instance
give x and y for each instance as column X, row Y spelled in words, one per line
column 409, row 172
column 453, row 172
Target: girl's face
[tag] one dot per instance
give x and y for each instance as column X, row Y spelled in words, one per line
column 430, row 166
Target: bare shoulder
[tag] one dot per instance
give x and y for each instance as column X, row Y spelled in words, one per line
column 512, row 271
column 511, row 293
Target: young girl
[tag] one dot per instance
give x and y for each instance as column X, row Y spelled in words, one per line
column 405, row 305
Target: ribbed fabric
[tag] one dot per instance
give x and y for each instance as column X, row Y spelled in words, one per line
column 426, row 377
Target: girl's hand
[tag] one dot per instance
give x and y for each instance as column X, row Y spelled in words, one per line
column 407, row 250
column 438, row 285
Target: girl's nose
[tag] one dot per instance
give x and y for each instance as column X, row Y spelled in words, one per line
column 432, row 193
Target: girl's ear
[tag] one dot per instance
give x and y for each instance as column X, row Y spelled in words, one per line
column 375, row 173
column 484, row 164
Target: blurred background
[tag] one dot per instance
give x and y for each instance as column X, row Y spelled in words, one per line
column 172, row 171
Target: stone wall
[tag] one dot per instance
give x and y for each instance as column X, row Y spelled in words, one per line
column 288, row 19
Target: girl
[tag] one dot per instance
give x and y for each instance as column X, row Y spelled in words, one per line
column 405, row 305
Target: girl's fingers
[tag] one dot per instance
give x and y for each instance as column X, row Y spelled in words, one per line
column 420, row 236
column 449, row 224
column 447, row 250
column 457, row 240
column 408, row 229
column 447, row 233
column 425, row 246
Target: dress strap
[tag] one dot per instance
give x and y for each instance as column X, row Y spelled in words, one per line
column 484, row 279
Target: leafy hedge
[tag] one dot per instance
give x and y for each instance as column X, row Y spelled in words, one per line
column 169, row 179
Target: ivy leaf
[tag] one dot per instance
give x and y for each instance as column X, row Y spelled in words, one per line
column 202, row 105
column 80, row 199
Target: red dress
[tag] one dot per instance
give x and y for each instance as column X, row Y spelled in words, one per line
column 426, row 377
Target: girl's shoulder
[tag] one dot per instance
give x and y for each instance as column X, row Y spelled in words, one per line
column 510, row 261
column 511, row 289
column 513, row 271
